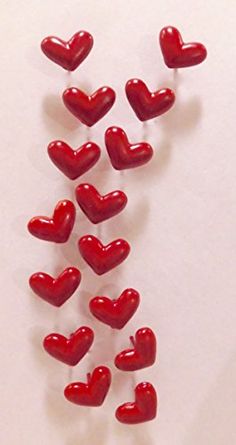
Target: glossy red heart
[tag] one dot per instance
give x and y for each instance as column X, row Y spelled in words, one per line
column 103, row 258
column 178, row 54
column 69, row 350
column 96, row 207
column 89, row 109
column 59, row 227
column 73, row 163
column 143, row 409
column 142, row 355
column 124, row 155
column 56, row 291
column 93, row 392
column 145, row 104
column 69, row 54
column 115, row 313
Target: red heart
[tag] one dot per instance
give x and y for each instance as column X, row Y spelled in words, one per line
column 145, row 104
column 89, row 109
column 99, row 208
column 68, row 54
column 103, row 258
column 59, row 227
column 69, row 350
column 92, row 393
column 143, row 409
column 178, row 54
column 143, row 354
column 73, row 163
column 56, row 291
column 124, row 155
column 115, row 313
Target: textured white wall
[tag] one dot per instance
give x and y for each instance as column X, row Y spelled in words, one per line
column 180, row 222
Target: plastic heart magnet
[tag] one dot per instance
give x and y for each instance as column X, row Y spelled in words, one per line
column 143, row 409
column 145, row 104
column 56, row 291
column 142, row 355
column 103, row 258
column 93, row 392
column 89, row 109
column 116, row 313
column 178, row 54
column 99, row 208
column 69, row 54
column 69, row 350
column 57, row 228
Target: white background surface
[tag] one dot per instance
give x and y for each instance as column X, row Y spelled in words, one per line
column 180, row 222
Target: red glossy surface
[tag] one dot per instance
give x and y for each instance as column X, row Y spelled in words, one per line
column 178, row 54
column 56, row 291
column 73, row 163
column 93, row 392
column 124, row 155
column 142, row 355
column 145, row 104
column 143, row 409
column 59, row 227
column 96, row 207
column 115, row 313
column 89, row 109
column 69, row 54
column 69, row 350
column 103, row 258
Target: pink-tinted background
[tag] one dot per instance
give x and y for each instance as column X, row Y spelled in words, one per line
column 180, row 222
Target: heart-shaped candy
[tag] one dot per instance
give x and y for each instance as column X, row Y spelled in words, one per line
column 69, row 350
column 124, row 155
column 69, row 54
column 103, row 258
column 142, row 355
column 115, row 313
column 93, row 392
column 73, row 163
column 178, row 54
column 143, row 409
column 89, row 109
column 56, row 291
column 145, row 104
column 96, row 207
column 59, row 227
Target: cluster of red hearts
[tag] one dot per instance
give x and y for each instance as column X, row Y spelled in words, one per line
column 102, row 258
